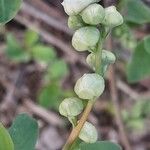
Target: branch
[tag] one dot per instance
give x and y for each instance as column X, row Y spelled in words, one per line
column 114, row 96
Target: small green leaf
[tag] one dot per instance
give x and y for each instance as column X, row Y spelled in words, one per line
column 5, row 139
column 138, row 69
column 31, row 38
column 101, row 145
column 43, row 53
column 14, row 50
column 137, row 12
column 24, row 132
column 50, row 96
column 8, row 9
column 58, row 69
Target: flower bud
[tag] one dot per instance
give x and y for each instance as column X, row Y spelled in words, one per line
column 85, row 38
column 91, row 60
column 112, row 17
column 108, row 57
column 89, row 86
column 75, row 22
column 93, row 14
column 74, row 7
column 71, row 107
column 88, row 133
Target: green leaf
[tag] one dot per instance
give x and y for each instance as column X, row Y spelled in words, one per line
column 136, row 124
column 139, row 69
column 147, row 44
column 24, row 132
column 137, row 12
column 8, row 9
column 5, row 139
column 50, row 96
column 43, row 53
column 14, row 50
column 31, row 38
column 57, row 70
column 101, row 145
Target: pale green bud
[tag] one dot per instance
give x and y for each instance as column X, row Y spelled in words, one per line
column 107, row 58
column 75, row 22
column 74, row 7
column 88, row 133
column 85, row 38
column 112, row 17
column 91, row 60
column 89, row 86
column 71, row 107
column 93, row 14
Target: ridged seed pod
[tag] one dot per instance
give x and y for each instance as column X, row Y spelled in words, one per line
column 85, row 38
column 88, row 133
column 74, row 7
column 89, row 86
column 71, row 107
column 75, row 22
column 112, row 17
column 93, row 14
column 107, row 59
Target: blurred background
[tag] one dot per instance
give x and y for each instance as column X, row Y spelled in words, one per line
column 39, row 67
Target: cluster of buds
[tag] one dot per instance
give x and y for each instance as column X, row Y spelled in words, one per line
column 91, row 23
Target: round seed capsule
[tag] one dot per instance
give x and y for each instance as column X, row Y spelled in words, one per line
column 85, row 38
column 112, row 17
column 108, row 57
column 89, row 86
column 88, row 133
column 93, row 14
column 71, row 107
column 75, row 22
column 74, row 7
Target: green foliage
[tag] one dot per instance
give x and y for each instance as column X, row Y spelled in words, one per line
column 135, row 118
column 137, row 12
column 15, row 51
column 31, row 38
column 24, row 132
column 138, row 68
column 125, row 36
column 147, row 43
column 100, row 145
column 30, row 48
column 58, row 69
column 50, row 96
column 42, row 53
column 8, row 9
column 5, row 139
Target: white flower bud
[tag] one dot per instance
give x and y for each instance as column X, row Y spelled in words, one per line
column 71, row 107
column 89, row 86
column 93, row 14
column 112, row 17
column 88, row 133
column 74, row 7
column 85, row 38
column 75, row 22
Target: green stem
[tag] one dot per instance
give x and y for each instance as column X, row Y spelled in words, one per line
column 98, row 56
column 76, row 130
